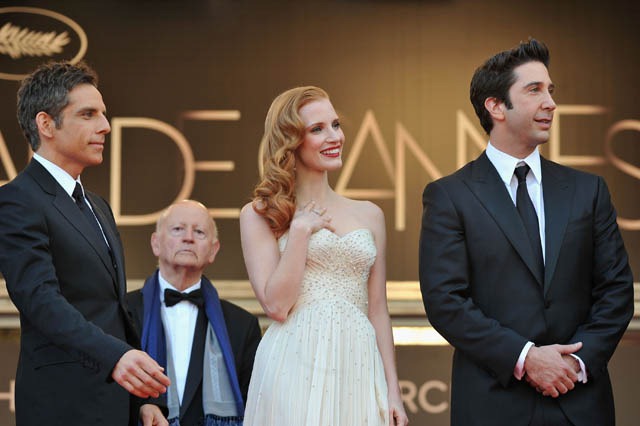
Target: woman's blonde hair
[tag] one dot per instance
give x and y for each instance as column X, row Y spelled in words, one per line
column 274, row 198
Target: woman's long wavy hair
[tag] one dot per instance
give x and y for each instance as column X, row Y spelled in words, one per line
column 274, row 198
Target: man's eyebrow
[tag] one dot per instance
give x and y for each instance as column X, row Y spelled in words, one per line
column 538, row 83
column 91, row 109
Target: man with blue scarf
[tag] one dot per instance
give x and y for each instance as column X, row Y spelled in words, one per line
column 206, row 345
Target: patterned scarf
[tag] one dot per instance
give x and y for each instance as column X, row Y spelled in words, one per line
column 155, row 344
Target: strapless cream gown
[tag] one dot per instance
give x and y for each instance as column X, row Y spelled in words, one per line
column 322, row 367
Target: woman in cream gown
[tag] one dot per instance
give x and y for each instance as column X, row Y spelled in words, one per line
column 316, row 261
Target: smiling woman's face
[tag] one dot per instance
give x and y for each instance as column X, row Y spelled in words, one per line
column 321, row 148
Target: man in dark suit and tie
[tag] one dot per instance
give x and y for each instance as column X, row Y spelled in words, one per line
column 61, row 257
column 522, row 266
column 207, row 344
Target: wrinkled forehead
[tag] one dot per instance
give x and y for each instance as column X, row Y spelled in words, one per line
column 187, row 214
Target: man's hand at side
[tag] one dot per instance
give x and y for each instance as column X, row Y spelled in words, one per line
column 140, row 375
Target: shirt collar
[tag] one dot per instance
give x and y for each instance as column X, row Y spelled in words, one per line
column 66, row 181
column 164, row 284
column 506, row 164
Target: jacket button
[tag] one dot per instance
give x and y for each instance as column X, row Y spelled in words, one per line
column 547, row 304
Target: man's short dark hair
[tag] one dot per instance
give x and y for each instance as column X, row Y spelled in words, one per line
column 494, row 78
column 47, row 89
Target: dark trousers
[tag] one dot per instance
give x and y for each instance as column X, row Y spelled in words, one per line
column 548, row 413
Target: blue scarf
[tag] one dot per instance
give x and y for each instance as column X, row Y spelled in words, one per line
column 154, row 340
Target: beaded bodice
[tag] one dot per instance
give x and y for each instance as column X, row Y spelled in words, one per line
column 337, row 267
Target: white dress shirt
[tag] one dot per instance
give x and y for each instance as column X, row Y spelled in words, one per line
column 67, row 182
column 506, row 166
column 179, row 323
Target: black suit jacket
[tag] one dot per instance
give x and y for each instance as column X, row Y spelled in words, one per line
column 71, row 296
column 244, row 336
column 480, row 292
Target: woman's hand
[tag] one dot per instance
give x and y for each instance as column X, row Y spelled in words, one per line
column 397, row 415
column 312, row 218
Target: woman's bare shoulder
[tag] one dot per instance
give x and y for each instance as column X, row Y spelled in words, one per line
column 248, row 214
column 364, row 207
column 250, row 208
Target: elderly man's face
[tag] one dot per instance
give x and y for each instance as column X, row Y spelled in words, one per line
column 185, row 238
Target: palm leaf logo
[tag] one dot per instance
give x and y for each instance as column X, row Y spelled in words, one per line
column 18, row 42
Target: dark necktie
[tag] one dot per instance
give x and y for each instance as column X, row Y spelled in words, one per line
column 171, row 297
column 529, row 217
column 78, row 197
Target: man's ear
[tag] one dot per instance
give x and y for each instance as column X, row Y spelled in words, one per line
column 214, row 251
column 495, row 107
column 45, row 124
column 155, row 247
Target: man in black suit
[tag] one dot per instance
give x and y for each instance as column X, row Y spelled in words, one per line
column 207, row 344
column 522, row 266
column 63, row 265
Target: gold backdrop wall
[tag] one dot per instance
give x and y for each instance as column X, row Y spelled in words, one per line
column 187, row 85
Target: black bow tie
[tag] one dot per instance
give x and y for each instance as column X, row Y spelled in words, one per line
column 171, row 297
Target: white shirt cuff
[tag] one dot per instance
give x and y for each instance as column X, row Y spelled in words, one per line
column 582, row 375
column 518, row 372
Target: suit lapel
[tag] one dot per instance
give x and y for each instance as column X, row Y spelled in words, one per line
column 194, row 374
column 110, row 233
column 71, row 212
column 67, row 208
column 490, row 190
column 557, row 191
